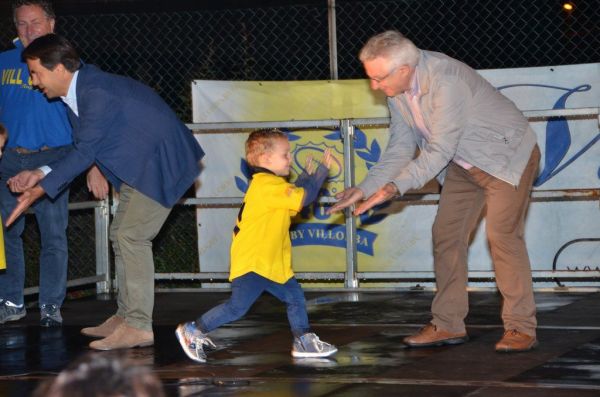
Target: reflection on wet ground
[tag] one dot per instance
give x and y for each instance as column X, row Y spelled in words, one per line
column 253, row 355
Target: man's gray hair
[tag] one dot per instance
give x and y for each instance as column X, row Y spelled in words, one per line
column 390, row 45
column 45, row 5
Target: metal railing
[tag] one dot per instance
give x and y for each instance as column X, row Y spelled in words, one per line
column 168, row 46
column 102, row 277
column 351, row 276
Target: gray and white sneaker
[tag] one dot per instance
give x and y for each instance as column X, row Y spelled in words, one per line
column 309, row 345
column 11, row 312
column 50, row 316
column 193, row 341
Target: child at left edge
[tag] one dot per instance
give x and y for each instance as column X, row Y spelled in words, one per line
column 261, row 247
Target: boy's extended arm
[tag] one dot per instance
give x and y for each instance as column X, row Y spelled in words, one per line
column 312, row 183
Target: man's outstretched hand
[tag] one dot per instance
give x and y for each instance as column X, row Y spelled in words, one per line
column 24, row 201
column 24, row 180
column 384, row 194
column 346, row 199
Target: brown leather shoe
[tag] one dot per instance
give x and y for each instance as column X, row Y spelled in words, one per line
column 515, row 341
column 431, row 335
column 105, row 329
column 124, row 337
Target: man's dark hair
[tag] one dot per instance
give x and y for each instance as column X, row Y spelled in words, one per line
column 51, row 50
column 45, row 5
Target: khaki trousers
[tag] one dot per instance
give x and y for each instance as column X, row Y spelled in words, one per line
column 137, row 221
column 464, row 195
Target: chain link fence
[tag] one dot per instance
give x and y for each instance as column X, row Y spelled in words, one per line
column 169, row 49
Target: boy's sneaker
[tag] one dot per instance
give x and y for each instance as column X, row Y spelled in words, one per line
column 50, row 316
column 11, row 312
column 192, row 341
column 309, row 345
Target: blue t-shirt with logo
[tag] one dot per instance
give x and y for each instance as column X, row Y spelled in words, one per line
column 32, row 121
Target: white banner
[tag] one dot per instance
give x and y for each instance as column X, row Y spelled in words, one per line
column 398, row 237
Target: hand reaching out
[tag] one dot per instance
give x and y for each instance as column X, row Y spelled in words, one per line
column 353, row 195
column 346, row 198
column 24, row 201
column 310, row 165
column 327, row 158
column 388, row 191
column 326, row 161
column 24, row 180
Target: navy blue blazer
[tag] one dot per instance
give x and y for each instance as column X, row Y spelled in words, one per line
column 132, row 135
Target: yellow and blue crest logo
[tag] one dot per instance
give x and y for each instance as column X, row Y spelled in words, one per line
column 313, row 226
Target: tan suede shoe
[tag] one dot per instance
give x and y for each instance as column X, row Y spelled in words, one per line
column 431, row 335
column 515, row 341
column 105, row 329
column 124, row 337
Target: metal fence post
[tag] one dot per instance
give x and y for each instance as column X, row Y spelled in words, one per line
column 101, row 221
column 333, row 63
column 347, row 133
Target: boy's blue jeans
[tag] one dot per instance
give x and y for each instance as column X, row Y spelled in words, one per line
column 245, row 290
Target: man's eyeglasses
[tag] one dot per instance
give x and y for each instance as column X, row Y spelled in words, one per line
column 380, row 79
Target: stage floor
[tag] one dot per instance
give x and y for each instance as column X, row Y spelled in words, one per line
column 254, row 359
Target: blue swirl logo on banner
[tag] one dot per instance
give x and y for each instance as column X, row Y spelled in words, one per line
column 558, row 135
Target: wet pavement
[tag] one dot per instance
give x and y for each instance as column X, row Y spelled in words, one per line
column 253, row 355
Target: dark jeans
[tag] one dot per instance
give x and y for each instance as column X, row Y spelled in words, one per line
column 245, row 290
column 52, row 218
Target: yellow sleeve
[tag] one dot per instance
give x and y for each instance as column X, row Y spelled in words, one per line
column 2, row 254
column 284, row 195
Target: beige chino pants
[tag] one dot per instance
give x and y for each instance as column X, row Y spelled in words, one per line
column 137, row 221
column 464, row 195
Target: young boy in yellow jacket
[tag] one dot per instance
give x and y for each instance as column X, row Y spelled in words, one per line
column 261, row 247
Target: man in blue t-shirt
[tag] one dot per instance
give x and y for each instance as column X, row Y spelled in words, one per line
column 39, row 133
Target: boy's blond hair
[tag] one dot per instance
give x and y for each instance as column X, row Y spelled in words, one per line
column 261, row 142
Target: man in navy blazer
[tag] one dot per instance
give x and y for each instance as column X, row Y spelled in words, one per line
column 141, row 147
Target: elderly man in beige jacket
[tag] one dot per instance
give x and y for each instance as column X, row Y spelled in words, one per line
column 481, row 148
